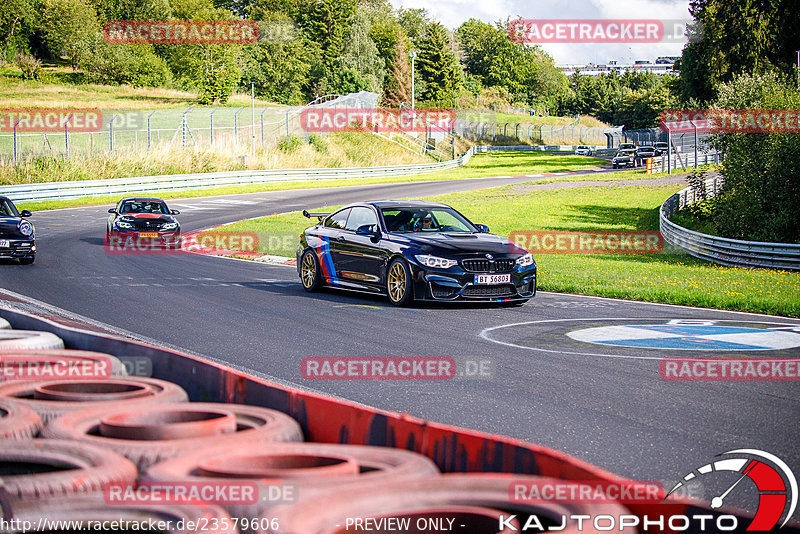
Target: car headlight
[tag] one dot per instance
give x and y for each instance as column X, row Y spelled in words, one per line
column 435, row 261
column 170, row 226
column 122, row 223
column 26, row 228
column 524, row 261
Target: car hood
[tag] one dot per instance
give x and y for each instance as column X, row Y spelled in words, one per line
column 9, row 227
column 460, row 244
column 159, row 217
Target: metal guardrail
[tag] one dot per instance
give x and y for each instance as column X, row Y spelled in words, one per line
column 37, row 192
column 721, row 250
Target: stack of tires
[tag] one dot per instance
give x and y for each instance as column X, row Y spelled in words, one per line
column 121, row 453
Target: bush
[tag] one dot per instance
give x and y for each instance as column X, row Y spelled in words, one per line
column 30, row 66
column 759, row 200
column 290, row 143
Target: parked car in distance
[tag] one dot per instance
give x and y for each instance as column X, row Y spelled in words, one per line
column 583, row 150
column 17, row 239
column 627, row 146
column 661, row 148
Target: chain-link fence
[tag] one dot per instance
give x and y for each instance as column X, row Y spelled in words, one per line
column 537, row 134
column 32, row 133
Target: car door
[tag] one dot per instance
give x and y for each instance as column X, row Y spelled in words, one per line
column 325, row 245
column 360, row 258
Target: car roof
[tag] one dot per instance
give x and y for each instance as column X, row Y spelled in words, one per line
column 380, row 204
column 142, row 199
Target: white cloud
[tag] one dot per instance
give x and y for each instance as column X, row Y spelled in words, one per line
column 452, row 13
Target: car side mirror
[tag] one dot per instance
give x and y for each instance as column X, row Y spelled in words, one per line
column 367, row 229
column 112, row 210
column 25, row 213
column 176, row 212
column 483, row 228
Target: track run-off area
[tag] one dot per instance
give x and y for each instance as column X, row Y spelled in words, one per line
column 584, row 375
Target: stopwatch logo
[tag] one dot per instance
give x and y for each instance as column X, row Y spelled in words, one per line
column 777, row 485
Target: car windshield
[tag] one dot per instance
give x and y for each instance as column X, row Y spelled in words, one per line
column 7, row 209
column 144, row 206
column 425, row 219
column 625, row 152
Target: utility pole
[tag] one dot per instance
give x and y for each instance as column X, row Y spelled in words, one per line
column 413, row 57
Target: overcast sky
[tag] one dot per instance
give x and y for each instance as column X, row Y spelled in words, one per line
column 452, row 13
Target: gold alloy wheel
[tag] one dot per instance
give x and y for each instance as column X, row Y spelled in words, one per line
column 308, row 270
column 397, row 282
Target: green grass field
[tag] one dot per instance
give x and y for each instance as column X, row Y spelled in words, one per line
column 666, row 278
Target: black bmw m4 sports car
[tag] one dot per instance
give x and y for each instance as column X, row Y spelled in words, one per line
column 413, row 250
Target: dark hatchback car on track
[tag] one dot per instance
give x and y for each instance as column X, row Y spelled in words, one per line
column 413, row 250
column 17, row 239
column 150, row 218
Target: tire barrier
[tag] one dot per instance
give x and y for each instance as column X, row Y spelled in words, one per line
column 475, row 500
column 60, row 364
column 147, row 434
column 86, row 512
column 18, row 421
column 4, row 323
column 307, row 467
column 53, row 398
column 28, row 339
column 43, row 467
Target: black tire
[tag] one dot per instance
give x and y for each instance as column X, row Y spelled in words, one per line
column 109, row 394
column 252, row 424
column 27, row 260
column 310, row 275
column 36, row 467
column 18, row 421
column 399, row 286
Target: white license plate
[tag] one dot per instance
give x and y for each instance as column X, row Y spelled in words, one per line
column 5, row 243
column 492, row 279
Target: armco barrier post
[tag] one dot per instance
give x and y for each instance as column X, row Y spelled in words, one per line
column 66, row 136
column 211, row 125
column 148, row 128
column 111, row 133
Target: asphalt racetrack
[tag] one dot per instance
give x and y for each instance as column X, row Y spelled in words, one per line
column 579, row 374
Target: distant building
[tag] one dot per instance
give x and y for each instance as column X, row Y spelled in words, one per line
column 662, row 65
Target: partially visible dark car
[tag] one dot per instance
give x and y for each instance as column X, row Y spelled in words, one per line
column 140, row 217
column 661, row 148
column 413, row 250
column 644, row 152
column 17, row 235
column 627, row 146
column 626, row 157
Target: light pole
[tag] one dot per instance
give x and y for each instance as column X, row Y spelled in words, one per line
column 413, row 57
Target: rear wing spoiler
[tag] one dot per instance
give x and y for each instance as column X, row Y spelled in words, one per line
column 318, row 215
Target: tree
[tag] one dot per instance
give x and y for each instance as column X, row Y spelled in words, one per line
column 15, row 15
column 759, row 200
column 438, row 66
column 360, row 54
column 415, row 24
column 742, row 36
column 398, row 86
